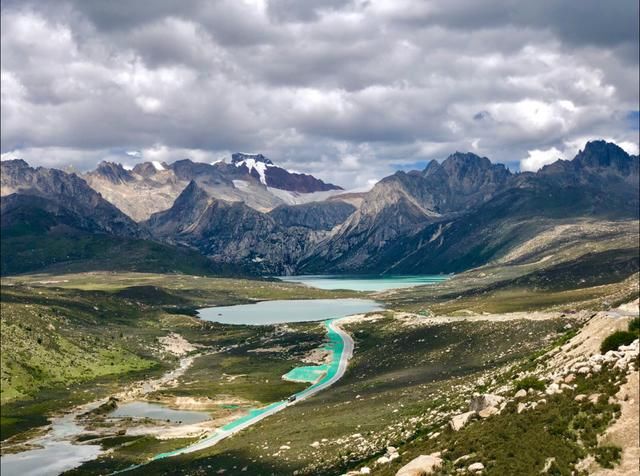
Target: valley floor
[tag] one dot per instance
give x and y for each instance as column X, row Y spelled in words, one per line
column 415, row 368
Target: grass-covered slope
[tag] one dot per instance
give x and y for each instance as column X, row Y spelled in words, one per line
column 75, row 337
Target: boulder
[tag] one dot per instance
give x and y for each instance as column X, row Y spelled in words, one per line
column 423, row 465
column 487, row 412
column 475, row 467
column 461, row 420
column 521, row 393
column 480, row 402
column 553, row 389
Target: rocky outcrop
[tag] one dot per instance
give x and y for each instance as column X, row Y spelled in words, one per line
column 114, row 173
column 315, row 216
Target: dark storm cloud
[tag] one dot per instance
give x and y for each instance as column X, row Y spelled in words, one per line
column 349, row 90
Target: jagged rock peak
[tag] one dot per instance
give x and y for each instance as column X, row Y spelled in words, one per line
column 238, row 158
column 599, row 153
column 16, row 163
column 114, row 172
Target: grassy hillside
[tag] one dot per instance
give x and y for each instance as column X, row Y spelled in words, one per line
column 64, row 252
column 583, row 265
column 71, row 338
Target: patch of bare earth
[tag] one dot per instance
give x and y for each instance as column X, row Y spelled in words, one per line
column 624, row 432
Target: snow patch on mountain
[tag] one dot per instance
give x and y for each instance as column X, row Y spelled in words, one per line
column 157, row 165
column 253, row 161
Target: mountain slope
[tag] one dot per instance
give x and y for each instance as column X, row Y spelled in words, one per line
column 465, row 212
column 68, row 193
column 229, row 232
column 38, row 233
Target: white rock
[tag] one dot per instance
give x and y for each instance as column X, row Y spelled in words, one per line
column 521, row 407
column 423, row 465
column 480, row 402
column 553, row 389
column 458, row 421
column 476, row 467
column 315, row 444
column 584, row 370
column 365, row 470
column 382, row 460
column 521, row 393
column 487, row 412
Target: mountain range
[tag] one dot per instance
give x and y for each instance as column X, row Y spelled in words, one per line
column 254, row 217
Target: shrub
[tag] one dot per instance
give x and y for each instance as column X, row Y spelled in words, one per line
column 530, row 382
column 608, row 456
column 634, row 325
column 617, row 339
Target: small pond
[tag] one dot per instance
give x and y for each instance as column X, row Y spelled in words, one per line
column 156, row 411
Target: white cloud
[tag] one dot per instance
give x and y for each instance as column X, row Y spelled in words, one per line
column 348, row 91
column 539, row 158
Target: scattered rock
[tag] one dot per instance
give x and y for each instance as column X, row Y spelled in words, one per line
column 475, row 467
column 553, row 389
column 593, row 398
column 462, row 458
column 480, row 402
column 458, row 421
column 423, row 465
column 521, row 393
column 487, row 412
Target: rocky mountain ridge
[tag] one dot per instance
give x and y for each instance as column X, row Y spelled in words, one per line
column 250, row 178
column 451, row 216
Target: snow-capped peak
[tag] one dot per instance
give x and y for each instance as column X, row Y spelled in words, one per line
column 157, row 165
column 253, row 161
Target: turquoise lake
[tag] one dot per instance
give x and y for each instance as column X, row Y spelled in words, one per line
column 365, row 283
column 291, row 310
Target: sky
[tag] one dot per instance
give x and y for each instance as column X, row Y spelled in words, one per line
column 349, row 91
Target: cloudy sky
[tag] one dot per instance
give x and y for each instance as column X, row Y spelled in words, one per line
column 346, row 90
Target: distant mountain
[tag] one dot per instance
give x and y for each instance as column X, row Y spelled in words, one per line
column 250, row 178
column 270, row 175
column 65, row 195
column 466, row 212
column 461, row 213
column 51, row 218
column 230, row 232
